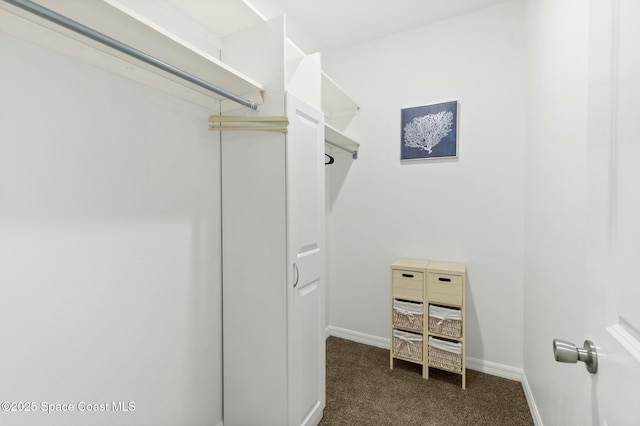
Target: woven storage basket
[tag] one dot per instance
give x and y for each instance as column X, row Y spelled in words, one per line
column 442, row 358
column 408, row 315
column 441, row 323
column 407, row 345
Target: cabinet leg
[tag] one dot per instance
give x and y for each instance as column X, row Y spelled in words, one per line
column 425, row 360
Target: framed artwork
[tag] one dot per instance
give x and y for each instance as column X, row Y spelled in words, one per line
column 429, row 131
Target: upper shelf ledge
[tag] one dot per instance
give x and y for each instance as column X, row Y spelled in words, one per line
column 132, row 30
column 337, row 139
column 334, row 101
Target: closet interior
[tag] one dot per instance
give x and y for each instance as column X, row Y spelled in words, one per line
column 275, row 114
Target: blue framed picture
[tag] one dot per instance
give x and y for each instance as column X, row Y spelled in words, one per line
column 429, row 131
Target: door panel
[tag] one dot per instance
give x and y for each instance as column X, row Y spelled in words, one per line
column 612, row 319
column 628, row 178
column 305, row 247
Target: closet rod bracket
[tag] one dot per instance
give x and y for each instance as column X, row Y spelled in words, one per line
column 354, row 154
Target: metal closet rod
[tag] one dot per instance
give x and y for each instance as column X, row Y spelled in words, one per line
column 354, row 154
column 72, row 25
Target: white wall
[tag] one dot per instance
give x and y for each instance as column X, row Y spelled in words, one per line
column 555, row 213
column 109, row 246
column 469, row 210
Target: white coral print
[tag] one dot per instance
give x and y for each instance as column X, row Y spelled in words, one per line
column 427, row 131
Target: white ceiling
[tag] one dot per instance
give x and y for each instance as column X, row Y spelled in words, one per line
column 324, row 25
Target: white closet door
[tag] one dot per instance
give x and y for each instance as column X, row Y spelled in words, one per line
column 612, row 317
column 305, row 253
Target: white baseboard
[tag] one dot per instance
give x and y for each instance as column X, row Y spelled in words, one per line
column 356, row 336
column 495, row 369
column 537, row 420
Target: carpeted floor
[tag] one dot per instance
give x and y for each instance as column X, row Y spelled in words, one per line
column 363, row 390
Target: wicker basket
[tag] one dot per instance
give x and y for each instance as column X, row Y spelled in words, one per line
column 407, row 345
column 444, row 359
column 442, row 324
column 408, row 315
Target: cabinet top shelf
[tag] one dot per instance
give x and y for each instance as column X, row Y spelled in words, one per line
column 447, row 267
column 441, row 267
column 410, row 264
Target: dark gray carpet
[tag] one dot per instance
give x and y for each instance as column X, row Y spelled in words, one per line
column 363, row 390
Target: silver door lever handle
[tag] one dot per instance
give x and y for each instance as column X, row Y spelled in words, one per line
column 564, row 351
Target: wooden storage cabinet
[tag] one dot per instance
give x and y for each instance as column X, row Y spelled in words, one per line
column 438, row 288
column 445, row 346
column 408, row 312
